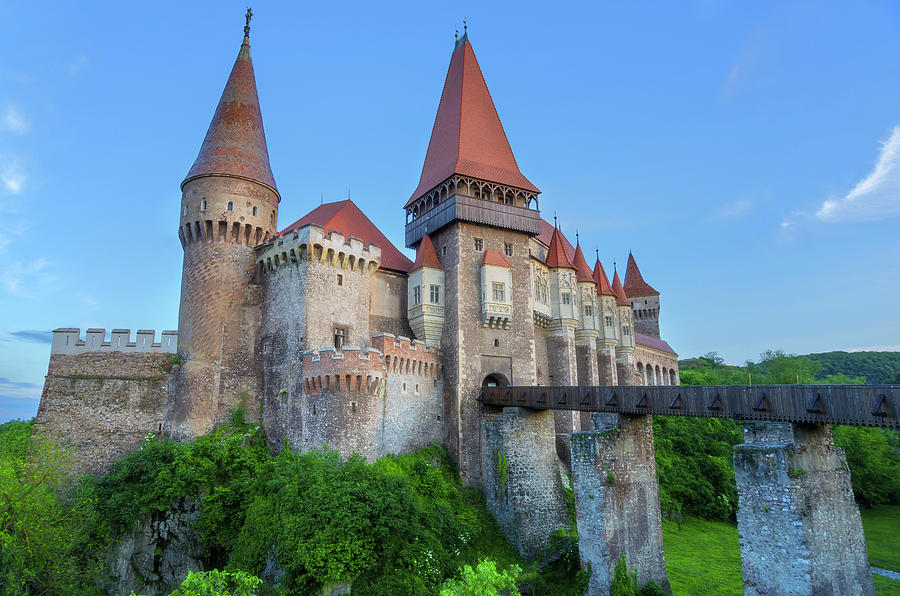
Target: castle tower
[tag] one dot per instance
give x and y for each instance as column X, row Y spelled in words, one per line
column 425, row 300
column 229, row 205
column 471, row 199
column 625, row 348
column 587, row 332
column 644, row 300
column 607, row 338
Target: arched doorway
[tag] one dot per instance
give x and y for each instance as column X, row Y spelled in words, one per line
column 495, row 380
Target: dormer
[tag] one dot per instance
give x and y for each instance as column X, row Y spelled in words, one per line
column 496, row 291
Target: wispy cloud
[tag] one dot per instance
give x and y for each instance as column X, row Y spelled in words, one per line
column 891, row 348
column 14, row 120
column 33, row 336
column 27, row 280
column 875, row 197
column 734, row 210
column 77, row 65
column 11, row 388
column 12, row 176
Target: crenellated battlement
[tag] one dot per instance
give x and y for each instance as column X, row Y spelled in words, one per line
column 355, row 370
column 310, row 243
column 405, row 356
column 68, row 341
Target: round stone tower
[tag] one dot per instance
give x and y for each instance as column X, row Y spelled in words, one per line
column 229, row 205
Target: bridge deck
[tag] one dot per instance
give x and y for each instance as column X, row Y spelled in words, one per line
column 859, row 405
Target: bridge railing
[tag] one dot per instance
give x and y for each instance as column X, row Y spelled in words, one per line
column 859, row 405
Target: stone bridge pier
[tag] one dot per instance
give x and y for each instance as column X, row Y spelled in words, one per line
column 617, row 500
column 800, row 530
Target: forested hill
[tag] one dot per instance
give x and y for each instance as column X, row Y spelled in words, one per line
column 776, row 367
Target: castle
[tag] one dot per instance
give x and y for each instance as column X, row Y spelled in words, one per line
column 327, row 334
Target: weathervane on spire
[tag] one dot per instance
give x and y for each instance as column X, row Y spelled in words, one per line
column 456, row 35
column 248, row 16
column 577, row 241
column 465, row 27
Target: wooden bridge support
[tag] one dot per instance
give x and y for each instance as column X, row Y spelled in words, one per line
column 800, row 530
column 522, row 483
column 617, row 500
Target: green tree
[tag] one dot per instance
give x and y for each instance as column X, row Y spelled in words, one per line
column 218, row 583
column 483, row 580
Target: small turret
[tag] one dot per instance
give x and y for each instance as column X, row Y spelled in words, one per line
column 625, row 349
column 425, row 301
column 562, row 281
column 643, row 298
column 587, row 292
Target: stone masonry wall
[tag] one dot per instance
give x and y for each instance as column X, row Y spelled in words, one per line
column 799, row 527
column 617, row 500
column 388, row 306
column 102, row 405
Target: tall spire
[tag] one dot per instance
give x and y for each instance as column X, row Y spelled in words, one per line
column 619, row 291
column 468, row 137
column 634, row 282
column 556, row 254
column 582, row 271
column 603, row 287
column 235, row 144
column 426, row 255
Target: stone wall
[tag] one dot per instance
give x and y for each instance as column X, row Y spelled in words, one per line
column 102, row 405
column 387, row 313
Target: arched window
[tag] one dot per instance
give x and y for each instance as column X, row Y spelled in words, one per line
column 230, row 206
column 203, row 205
column 254, row 211
column 640, row 368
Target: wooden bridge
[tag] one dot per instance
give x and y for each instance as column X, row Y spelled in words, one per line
column 859, row 405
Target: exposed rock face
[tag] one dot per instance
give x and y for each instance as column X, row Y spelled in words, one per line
column 157, row 556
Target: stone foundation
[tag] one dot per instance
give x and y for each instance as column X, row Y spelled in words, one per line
column 799, row 527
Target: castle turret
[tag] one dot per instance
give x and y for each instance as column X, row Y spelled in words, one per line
column 425, row 302
column 229, row 205
column 625, row 349
column 607, row 337
column 643, row 298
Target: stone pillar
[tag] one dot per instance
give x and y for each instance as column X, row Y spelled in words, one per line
column 625, row 365
column 617, row 500
column 522, row 484
column 586, row 365
column 606, row 362
column 799, row 527
column 563, row 371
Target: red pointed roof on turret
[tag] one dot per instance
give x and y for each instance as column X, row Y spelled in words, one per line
column 582, row 271
column 556, row 256
column 603, row 287
column 467, row 137
column 634, row 282
column 345, row 217
column 426, row 255
column 619, row 291
column 492, row 257
column 235, row 144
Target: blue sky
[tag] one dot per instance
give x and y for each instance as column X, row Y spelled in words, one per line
column 748, row 153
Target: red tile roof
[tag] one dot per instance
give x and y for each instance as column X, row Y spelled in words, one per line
column 235, row 144
column 617, row 289
column 468, row 137
column 556, row 255
column 582, row 271
column 602, row 281
column 634, row 282
column 426, row 255
column 546, row 236
column 651, row 342
column 346, row 218
column 492, row 257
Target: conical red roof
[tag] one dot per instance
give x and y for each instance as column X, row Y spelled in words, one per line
column 582, row 271
column 492, row 257
column 467, row 137
column 634, row 283
column 619, row 291
column 426, row 255
column 556, row 256
column 603, row 287
column 235, row 144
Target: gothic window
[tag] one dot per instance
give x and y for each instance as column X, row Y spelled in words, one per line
column 566, row 298
column 541, row 287
column 588, row 310
column 417, row 295
column 609, row 321
column 435, row 294
column 340, row 337
column 255, row 210
column 508, row 249
column 203, row 205
column 499, row 292
column 479, row 244
column 626, row 330
column 230, row 206
column 340, row 279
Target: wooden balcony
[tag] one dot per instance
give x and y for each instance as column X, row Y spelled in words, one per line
column 479, row 211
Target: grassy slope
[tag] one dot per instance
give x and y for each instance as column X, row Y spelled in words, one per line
column 703, row 557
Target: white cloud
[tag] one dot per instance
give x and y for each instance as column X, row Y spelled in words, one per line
column 13, row 177
column 27, row 280
column 77, row 65
column 875, row 197
column 15, row 121
column 734, row 210
column 893, row 348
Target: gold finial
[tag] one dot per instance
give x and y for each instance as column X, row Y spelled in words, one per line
column 465, row 27
column 456, row 35
column 247, row 16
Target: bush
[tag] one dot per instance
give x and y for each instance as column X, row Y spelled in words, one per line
column 484, row 580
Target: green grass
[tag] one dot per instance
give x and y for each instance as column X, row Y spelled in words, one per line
column 704, row 557
column 881, row 525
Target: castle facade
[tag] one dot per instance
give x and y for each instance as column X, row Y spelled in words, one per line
column 327, row 334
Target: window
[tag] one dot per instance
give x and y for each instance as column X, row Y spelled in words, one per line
column 499, row 292
column 496, row 342
column 340, row 279
column 444, row 251
column 566, row 298
column 626, row 330
column 255, row 211
column 340, row 337
column 609, row 321
column 588, row 310
column 417, row 295
column 508, row 249
column 435, row 294
column 479, row 244
column 230, row 206
column 203, row 205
